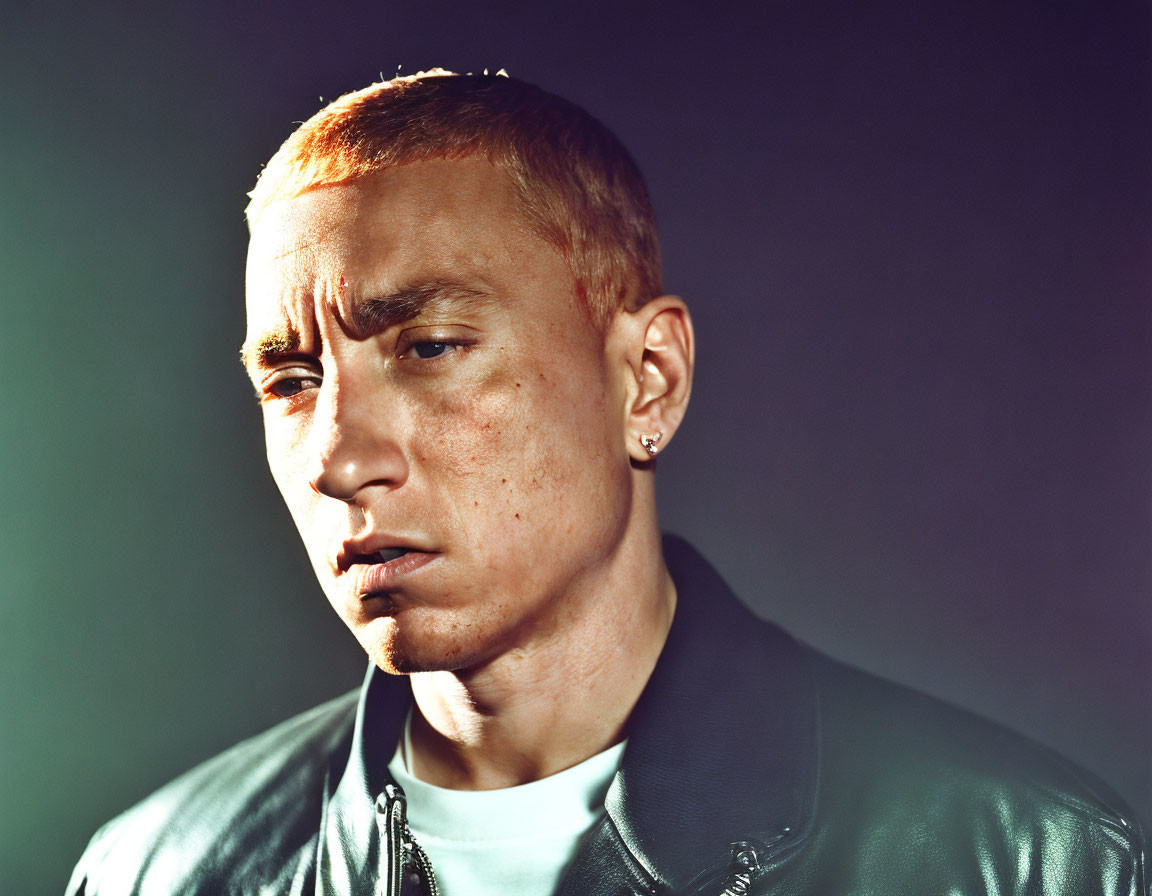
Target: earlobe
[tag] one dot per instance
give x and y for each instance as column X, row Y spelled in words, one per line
column 661, row 362
column 650, row 442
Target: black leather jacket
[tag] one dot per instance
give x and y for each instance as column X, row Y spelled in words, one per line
column 754, row 765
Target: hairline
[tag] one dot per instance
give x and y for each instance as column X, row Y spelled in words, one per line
column 524, row 194
column 598, row 215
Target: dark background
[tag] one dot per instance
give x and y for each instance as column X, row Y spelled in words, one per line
column 916, row 240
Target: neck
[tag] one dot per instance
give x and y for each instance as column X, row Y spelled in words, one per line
column 555, row 701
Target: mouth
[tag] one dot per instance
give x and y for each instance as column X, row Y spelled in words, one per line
column 386, row 570
column 386, row 555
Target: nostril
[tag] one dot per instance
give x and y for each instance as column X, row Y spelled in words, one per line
column 349, row 459
column 338, row 477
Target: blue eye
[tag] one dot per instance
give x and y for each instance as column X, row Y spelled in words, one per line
column 427, row 350
column 434, row 343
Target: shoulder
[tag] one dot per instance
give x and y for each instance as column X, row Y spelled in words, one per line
column 232, row 818
column 914, row 770
column 858, row 784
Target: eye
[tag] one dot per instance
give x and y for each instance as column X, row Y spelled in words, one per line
column 428, row 350
column 288, row 386
column 434, row 343
column 431, row 349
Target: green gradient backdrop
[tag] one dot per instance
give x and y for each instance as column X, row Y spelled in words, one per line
column 916, row 240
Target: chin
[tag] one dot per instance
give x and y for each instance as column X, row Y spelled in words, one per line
column 395, row 656
column 396, row 662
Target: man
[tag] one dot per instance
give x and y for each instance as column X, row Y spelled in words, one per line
column 466, row 370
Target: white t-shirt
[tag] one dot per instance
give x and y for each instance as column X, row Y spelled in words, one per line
column 514, row 840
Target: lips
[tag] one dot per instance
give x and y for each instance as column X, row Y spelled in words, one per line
column 387, row 570
column 373, row 548
column 385, row 555
column 378, row 562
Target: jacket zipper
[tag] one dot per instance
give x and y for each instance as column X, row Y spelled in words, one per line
column 399, row 844
column 744, row 868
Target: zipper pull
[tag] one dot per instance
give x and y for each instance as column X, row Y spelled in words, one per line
column 401, row 849
column 392, row 819
column 745, row 866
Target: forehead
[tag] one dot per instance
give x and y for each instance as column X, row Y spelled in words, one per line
column 435, row 214
column 440, row 228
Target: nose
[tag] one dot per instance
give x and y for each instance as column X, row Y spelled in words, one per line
column 353, row 445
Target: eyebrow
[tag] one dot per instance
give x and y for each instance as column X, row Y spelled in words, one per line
column 376, row 314
column 273, row 344
column 369, row 317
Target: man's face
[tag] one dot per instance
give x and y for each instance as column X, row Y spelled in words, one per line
column 430, row 385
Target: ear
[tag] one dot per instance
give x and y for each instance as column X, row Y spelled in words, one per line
column 660, row 354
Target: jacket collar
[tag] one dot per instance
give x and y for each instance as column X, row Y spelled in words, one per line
column 349, row 851
column 722, row 745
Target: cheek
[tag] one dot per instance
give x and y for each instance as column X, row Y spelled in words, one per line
column 282, row 443
column 523, row 449
column 286, row 462
column 465, row 432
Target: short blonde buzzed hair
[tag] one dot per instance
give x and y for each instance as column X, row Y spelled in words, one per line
column 575, row 182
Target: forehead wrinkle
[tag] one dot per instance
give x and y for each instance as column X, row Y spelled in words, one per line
column 294, row 250
column 283, row 337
